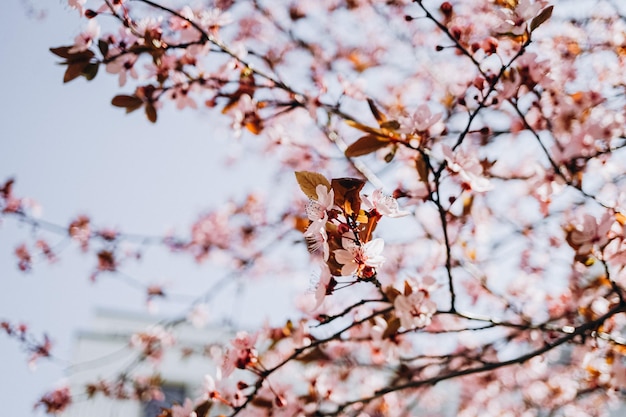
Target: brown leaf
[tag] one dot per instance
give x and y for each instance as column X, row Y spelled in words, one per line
column 541, row 18
column 262, row 402
column 254, row 124
column 422, row 168
column 347, row 194
column 467, row 205
column 316, row 355
column 364, row 128
column 300, row 223
column 392, row 327
column 202, row 410
column 127, row 102
column 308, row 181
column 90, row 71
column 365, row 145
column 72, row 57
column 61, row 51
column 82, row 56
column 103, row 46
column 391, row 293
column 390, row 125
column 392, row 154
column 378, row 115
column 367, row 225
column 74, row 70
column 151, row 112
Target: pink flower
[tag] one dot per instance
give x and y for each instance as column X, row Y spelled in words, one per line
column 242, row 355
column 355, row 258
column 384, row 205
column 83, row 41
column 214, row 19
column 56, row 401
column 317, row 212
column 416, row 309
column 198, row 316
column 243, row 341
column 421, row 120
column 468, row 168
column 590, row 233
column 321, row 291
column 514, row 20
column 318, row 209
column 78, row 5
column 245, row 112
column 153, row 342
column 317, row 238
column 180, row 91
column 186, row 410
column 123, row 65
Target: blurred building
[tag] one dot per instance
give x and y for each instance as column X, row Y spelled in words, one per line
column 104, row 351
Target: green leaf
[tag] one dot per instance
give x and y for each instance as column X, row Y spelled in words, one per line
column 365, row 145
column 308, row 182
column 541, row 18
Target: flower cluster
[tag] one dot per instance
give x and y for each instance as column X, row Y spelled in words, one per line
column 414, row 308
column 152, row 342
column 341, row 227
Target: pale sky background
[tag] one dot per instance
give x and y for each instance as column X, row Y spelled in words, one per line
column 74, row 153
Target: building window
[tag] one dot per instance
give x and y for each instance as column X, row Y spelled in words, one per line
column 174, row 394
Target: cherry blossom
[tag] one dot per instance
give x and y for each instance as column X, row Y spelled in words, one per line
column 323, row 287
column 78, row 5
column 123, row 65
column 356, row 258
column 186, row 410
column 83, row 41
column 318, row 209
column 514, row 20
column 198, row 316
column 241, row 355
column 215, row 18
column 317, row 212
column 384, row 205
column 153, row 342
column 498, row 125
column 421, row 120
column 590, row 233
column 416, row 309
column 56, row 401
column 468, row 168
